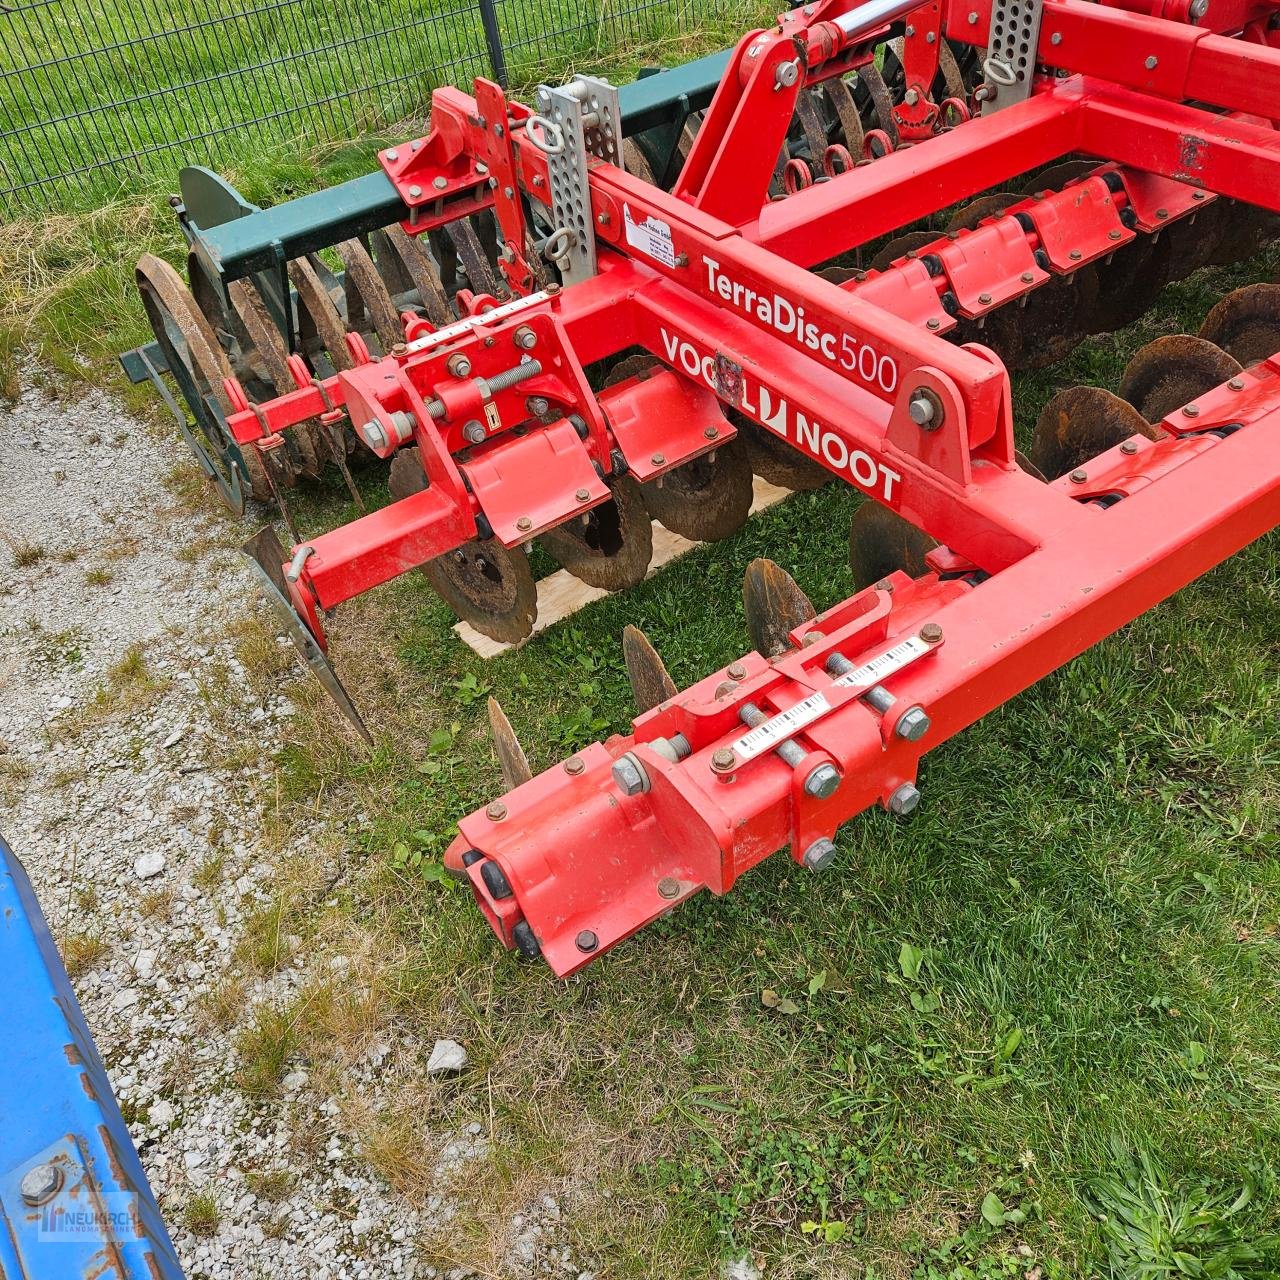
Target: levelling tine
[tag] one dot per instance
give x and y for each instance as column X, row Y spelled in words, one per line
column 511, row 757
column 650, row 683
column 266, row 557
column 773, row 606
column 1172, row 371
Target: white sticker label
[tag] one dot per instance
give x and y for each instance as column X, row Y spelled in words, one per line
column 652, row 237
column 776, row 730
column 886, row 664
column 764, row 737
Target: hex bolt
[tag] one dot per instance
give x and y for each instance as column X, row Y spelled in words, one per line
column 787, row 74
column 1191, row 410
column 1152, row 62
column 1236, row 384
column 573, row 766
column 458, row 365
column 931, row 633
column 658, row 459
column 668, row 887
column 415, row 191
column 904, row 800
column 1056, row 38
column 736, row 671
column 711, row 432
column 723, row 759
column 820, row 854
column 439, row 183
column 524, row 524
column 824, row 781
column 40, row 1184
column 911, row 97
column 473, row 432
column 582, row 495
column 973, row 18
column 525, row 338
column 586, row 941
column 1079, row 476
column 393, row 155
column 1129, row 446
column 630, row 775
column 537, row 405
column 496, row 811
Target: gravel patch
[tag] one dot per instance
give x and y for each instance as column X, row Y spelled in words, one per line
column 119, row 690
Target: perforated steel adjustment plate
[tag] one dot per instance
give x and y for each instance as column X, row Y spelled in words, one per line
column 585, row 115
column 1011, row 54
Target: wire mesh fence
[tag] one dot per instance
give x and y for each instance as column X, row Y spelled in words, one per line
column 101, row 98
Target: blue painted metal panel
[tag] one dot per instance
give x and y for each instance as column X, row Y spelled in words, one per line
column 95, row 1215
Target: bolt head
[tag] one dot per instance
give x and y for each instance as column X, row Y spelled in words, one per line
column 913, row 724
column 669, row 887
column 626, row 773
column 537, row 405
column 933, row 323
column 573, row 766
column 40, row 1184
column 1056, row 38
column 711, row 432
column 1191, row 410
column 524, row 524
column 473, row 432
column 658, row 459
column 904, row 800
column 439, row 184
column 820, row 854
column 1129, row 446
column 374, row 435
column 931, row 633
column 1027, row 277
column 1152, row 62
column 393, row 155
column 1075, row 255
column 586, row 941
column 911, row 97
column 496, row 811
column 824, row 781
column 736, row 671
column 723, row 758
column 415, row 191
column 525, row 338
column 984, row 298
column 1079, row 476
column 1236, row 384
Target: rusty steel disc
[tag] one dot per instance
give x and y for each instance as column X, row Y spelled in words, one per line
column 1080, row 423
column 1243, row 229
column 968, row 217
column 630, row 367
column 1246, row 323
column 199, row 366
column 706, row 499
column 511, row 757
column 636, row 162
column 489, row 586
column 881, row 541
column 777, row 462
column 611, row 545
column 407, row 267
column 321, row 325
column 650, row 683
column 1130, row 283
column 900, row 246
column 773, row 605
column 1172, row 371
column 369, row 304
column 1056, row 176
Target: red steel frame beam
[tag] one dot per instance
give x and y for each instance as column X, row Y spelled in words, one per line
column 729, row 303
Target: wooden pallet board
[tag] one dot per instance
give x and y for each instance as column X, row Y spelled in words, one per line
column 561, row 595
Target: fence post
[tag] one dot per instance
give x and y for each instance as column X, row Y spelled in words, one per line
column 493, row 38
